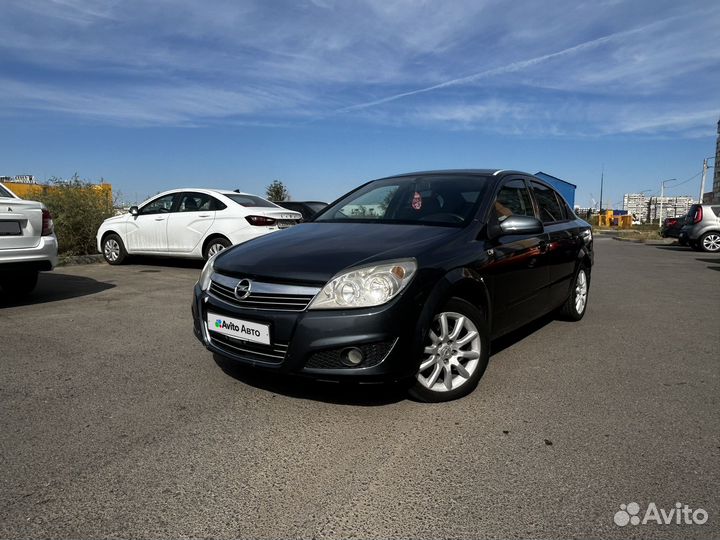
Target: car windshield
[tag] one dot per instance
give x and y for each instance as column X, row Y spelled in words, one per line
column 437, row 199
column 316, row 206
column 250, row 200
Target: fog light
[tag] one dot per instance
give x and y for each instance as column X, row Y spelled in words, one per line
column 352, row 356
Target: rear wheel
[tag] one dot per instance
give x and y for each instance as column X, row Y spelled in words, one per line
column 710, row 242
column 113, row 249
column 574, row 307
column 455, row 353
column 215, row 246
column 17, row 286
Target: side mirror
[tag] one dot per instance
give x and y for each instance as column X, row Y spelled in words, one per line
column 520, row 225
column 134, row 210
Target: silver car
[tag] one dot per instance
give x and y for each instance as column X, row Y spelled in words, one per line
column 702, row 228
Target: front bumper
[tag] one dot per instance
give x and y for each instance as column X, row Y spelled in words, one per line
column 43, row 256
column 298, row 339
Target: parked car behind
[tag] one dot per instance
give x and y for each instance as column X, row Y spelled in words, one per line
column 308, row 209
column 671, row 227
column 27, row 243
column 192, row 223
column 702, row 228
column 407, row 277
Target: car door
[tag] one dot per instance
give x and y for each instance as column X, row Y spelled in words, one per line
column 563, row 240
column 517, row 267
column 190, row 222
column 147, row 231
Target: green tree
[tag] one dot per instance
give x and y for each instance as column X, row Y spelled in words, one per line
column 277, row 192
column 78, row 208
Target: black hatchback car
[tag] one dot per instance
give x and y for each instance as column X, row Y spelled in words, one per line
column 408, row 277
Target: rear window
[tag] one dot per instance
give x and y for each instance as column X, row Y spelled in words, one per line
column 550, row 209
column 250, row 200
column 5, row 193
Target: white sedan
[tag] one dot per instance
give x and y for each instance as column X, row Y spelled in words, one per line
column 27, row 243
column 191, row 223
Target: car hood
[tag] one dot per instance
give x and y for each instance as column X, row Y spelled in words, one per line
column 115, row 219
column 315, row 252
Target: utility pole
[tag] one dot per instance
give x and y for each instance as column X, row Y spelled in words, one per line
column 662, row 194
column 602, row 179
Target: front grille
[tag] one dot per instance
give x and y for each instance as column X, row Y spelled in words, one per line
column 374, row 353
column 264, row 296
column 271, row 354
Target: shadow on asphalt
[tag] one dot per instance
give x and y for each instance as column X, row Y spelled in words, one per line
column 675, row 248
column 715, row 262
column 345, row 393
column 350, row 393
column 508, row 340
column 167, row 262
column 54, row 286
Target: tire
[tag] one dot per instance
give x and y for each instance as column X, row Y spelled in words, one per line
column 576, row 304
column 442, row 377
column 710, row 242
column 695, row 244
column 17, row 286
column 215, row 246
column 113, row 249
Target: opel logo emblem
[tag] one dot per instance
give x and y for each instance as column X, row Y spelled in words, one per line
column 242, row 289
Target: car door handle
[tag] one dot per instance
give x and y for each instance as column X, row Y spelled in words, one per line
column 204, row 215
column 159, row 219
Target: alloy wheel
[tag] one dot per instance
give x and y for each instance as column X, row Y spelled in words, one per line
column 711, row 242
column 112, row 250
column 451, row 354
column 214, row 249
column 581, row 290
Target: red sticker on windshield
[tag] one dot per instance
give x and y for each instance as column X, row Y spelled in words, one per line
column 417, row 201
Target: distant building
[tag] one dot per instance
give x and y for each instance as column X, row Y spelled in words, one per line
column 636, row 205
column 647, row 208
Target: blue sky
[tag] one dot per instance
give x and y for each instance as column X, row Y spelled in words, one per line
column 326, row 94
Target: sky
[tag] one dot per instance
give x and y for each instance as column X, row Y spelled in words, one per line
column 325, row 94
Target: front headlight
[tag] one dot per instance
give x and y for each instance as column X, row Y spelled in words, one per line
column 207, row 271
column 367, row 286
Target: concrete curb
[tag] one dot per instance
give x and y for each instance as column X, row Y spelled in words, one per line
column 66, row 260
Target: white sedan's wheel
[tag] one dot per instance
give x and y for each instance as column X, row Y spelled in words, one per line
column 215, row 246
column 113, row 249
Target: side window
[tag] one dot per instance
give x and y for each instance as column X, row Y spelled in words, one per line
column 548, row 205
column 217, row 205
column 194, row 202
column 716, row 210
column 161, row 205
column 513, row 199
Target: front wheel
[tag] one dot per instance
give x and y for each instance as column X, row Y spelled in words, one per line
column 574, row 307
column 710, row 242
column 113, row 249
column 455, row 353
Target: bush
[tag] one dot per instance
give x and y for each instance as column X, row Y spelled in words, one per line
column 78, row 207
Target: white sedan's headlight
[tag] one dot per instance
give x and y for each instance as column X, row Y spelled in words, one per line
column 207, row 271
column 367, row 286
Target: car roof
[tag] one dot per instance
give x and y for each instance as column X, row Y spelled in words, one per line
column 301, row 202
column 204, row 190
column 478, row 172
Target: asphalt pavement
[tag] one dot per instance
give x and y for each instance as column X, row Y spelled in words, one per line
column 116, row 422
